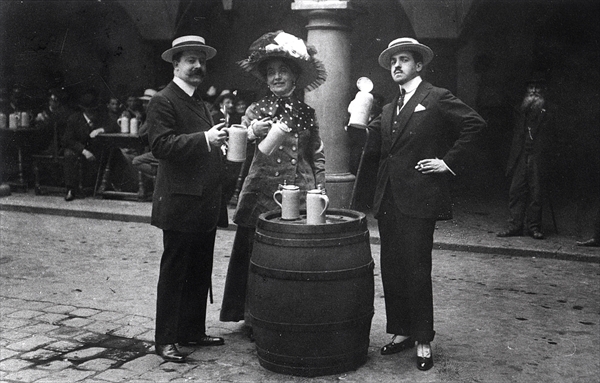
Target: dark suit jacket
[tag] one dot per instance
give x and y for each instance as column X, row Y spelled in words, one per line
column 544, row 138
column 433, row 124
column 77, row 133
column 187, row 194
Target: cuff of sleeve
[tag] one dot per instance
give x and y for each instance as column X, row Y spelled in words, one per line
column 207, row 143
column 448, row 168
column 251, row 135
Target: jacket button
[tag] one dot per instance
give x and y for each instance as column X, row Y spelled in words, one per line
column 279, row 160
column 296, row 135
column 276, row 174
column 294, row 147
column 293, row 161
column 281, row 148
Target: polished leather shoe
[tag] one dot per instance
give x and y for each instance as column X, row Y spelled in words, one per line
column 70, row 195
column 169, row 353
column 204, row 341
column 536, row 234
column 392, row 348
column 424, row 364
column 589, row 243
column 510, row 233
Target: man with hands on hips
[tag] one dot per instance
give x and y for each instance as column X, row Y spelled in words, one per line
column 187, row 198
column 412, row 192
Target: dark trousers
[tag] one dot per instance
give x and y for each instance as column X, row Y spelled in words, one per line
column 234, row 296
column 406, row 245
column 183, row 284
column 525, row 194
column 78, row 170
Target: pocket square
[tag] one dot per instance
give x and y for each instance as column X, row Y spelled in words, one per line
column 419, row 108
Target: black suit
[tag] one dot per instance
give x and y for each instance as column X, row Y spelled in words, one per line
column 432, row 124
column 186, row 205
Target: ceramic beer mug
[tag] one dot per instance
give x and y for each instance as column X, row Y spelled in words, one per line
column 316, row 207
column 237, row 141
column 123, row 122
column 290, row 202
column 274, row 138
column 133, row 126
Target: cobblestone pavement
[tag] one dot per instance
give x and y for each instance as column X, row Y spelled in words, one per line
column 77, row 302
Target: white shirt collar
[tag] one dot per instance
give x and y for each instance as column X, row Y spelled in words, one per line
column 187, row 88
column 411, row 85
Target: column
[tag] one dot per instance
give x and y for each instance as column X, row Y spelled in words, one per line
column 329, row 29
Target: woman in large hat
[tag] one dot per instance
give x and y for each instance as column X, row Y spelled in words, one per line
column 286, row 64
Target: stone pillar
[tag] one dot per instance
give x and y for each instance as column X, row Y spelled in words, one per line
column 329, row 28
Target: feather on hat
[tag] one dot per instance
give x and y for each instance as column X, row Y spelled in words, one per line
column 284, row 45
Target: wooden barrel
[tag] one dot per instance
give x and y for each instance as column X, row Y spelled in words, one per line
column 310, row 293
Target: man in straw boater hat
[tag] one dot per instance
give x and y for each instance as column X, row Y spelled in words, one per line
column 412, row 189
column 187, row 198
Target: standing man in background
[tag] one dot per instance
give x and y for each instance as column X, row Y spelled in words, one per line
column 187, row 198
column 412, row 192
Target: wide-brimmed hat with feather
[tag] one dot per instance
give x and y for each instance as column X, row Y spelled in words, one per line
column 286, row 46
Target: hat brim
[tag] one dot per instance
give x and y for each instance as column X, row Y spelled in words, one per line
column 144, row 98
column 312, row 72
column 386, row 55
column 169, row 53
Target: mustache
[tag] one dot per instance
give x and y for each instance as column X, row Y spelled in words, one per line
column 198, row 71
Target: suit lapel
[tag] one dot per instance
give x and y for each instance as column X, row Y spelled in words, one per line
column 197, row 107
column 408, row 109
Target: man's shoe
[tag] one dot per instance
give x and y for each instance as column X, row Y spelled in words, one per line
column 536, row 234
column 424, row 364
column 589, row 243
column 392, row 348
column 204, row 341
column 169, row 353
column 510, row 233
column 70, row 195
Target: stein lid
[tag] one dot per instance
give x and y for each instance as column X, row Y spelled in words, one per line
column 290, row 187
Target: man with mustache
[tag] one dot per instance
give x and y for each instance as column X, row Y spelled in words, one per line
column 425, row 135
column 526, row 162
column 187, row 198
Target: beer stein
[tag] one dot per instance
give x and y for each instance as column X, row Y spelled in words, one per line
column 133, row 126
column 237, row 142
column 290, row 202
column 316, row 206
column 3, row 121
column 274, row 138
column 360, row 107
column 123, row 122
column 13, row 120
column 25, row 120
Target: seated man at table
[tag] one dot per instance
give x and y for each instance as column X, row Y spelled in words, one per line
column 79, row 148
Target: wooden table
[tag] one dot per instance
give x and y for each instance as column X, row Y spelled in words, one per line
column 110, row 143
column 19, row 138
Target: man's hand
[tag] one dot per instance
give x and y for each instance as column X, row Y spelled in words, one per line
column 216, row 135
column 96, row 132
column 432, row 165
column 88, row 155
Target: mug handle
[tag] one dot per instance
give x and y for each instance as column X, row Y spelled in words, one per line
column 278, row 192
column 326, row 199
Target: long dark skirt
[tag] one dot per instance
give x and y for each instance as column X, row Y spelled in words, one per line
column 234, row 297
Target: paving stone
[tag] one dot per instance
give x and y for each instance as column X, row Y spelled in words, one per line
column 13, row 323
column 6, row 353
column 39, row 355
column 25, row 314
column 52, row 317
column 85, row 353
column 68, row 375
column 14, row 364
column 29, row 375
column 60, row 309
column 13, row 302
column 98, row 364
column 55, row 365
column 77, row 322
column 147, row 336
column 102, row 327
column 84, row 312
column 14, row 335
column 88, row 337
column 38, row 305
column 30, row 343
column 129, row 331
column 40, row 328
column 143, row 363
column 118, row 375
column 133, row 320
column 67, row 332
column 5, row 310
column 108, row 316
column 62, row 346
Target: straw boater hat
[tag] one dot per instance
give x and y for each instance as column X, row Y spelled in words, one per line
column 404, row 44
column 148, row 93
column 283, row 45
column 188, row 43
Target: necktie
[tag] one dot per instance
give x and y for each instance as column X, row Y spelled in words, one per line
column 401, row 98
